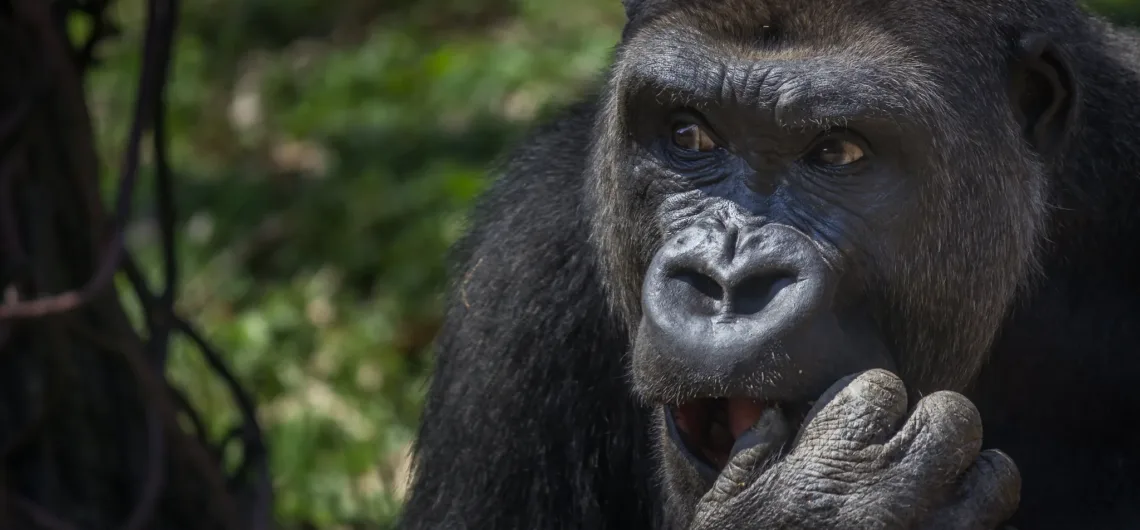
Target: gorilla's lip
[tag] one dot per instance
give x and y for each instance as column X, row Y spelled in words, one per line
column 710, row 431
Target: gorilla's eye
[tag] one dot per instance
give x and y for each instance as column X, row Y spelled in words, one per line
column 835, row 152
column 692, row 137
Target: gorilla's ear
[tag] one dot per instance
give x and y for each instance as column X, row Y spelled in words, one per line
column 1044, row 92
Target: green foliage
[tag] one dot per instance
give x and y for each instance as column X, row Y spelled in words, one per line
column 326, row 152
column 1120, row 11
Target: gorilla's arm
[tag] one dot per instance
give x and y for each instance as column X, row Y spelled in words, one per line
column 528, row 421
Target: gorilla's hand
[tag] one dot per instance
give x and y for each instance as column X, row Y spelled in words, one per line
column 852, row 467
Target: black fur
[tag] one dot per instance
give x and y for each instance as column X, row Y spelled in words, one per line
column 1018, row 286
column 530, row 415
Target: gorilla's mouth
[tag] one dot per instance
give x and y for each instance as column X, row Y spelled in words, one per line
column 711, row 431
column 710, row 428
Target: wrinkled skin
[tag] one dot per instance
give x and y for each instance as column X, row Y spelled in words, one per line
column 861, row 461
column 785, row 265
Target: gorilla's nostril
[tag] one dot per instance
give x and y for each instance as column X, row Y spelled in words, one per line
column 755, row 293
column 704, row 291
column 702, row 294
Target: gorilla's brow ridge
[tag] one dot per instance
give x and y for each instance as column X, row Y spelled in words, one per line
column 793, row 92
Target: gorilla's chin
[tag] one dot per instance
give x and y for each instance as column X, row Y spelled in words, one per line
column 711, row 432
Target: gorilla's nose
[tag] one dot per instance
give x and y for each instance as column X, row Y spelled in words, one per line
column 723, row 272
column 717, row 287
column 722, row 301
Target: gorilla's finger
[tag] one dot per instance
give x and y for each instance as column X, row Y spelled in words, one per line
column 942, row 437
column 864, row 408
column 990, row 493
column 764, row 441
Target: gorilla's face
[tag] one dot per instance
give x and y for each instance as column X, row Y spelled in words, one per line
column 800, row 194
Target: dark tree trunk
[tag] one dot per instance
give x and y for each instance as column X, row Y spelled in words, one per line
column 90, row 436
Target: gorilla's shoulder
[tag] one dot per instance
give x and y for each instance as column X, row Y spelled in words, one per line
column 528, row 233
column 536, row 191
column 1124, row 44
column 553, row 156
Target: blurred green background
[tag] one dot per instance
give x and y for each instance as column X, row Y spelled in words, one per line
column 326, row 153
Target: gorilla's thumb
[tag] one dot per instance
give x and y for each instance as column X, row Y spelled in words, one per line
column 763, row 442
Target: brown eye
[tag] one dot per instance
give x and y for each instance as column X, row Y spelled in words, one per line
column 692, row 137
column 836, row 152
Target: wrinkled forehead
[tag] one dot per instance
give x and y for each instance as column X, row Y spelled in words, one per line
column 821, row 23
column 791, row 60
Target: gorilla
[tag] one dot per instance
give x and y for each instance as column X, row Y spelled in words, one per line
column 780, row 270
